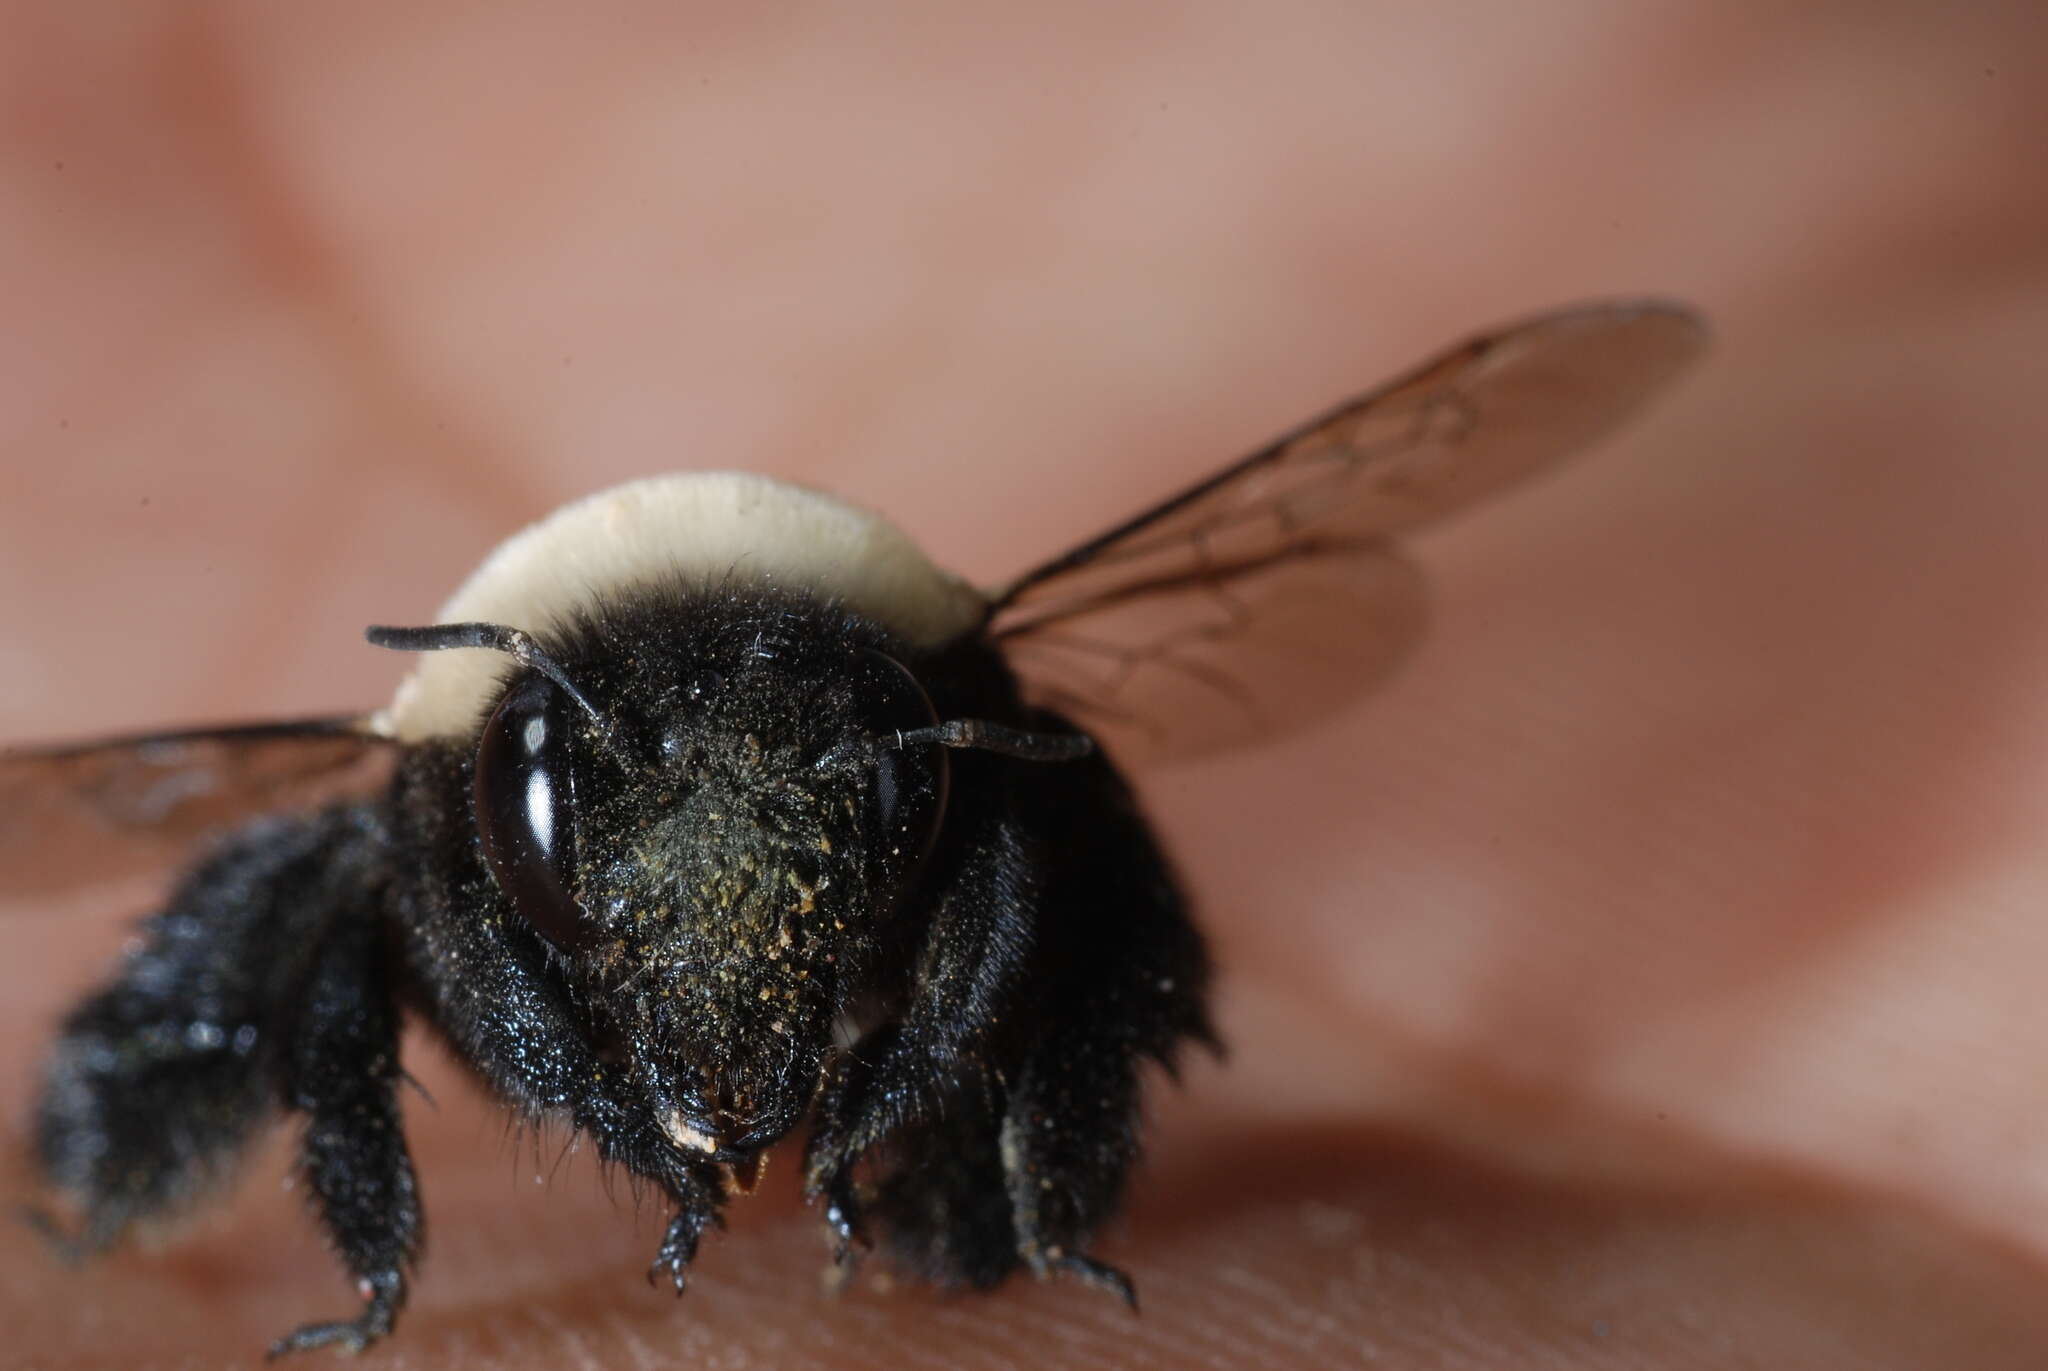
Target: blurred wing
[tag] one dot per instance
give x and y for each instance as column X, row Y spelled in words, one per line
column 76, row 815
column 1154, row 634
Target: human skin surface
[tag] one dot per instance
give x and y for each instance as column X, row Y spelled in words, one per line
column 1649, row 976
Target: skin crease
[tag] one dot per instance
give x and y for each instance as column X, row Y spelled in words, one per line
column 1650, row 977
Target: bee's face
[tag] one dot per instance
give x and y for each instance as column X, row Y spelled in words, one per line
column 717, row 857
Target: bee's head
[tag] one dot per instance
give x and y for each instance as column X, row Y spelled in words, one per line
column 709, row 815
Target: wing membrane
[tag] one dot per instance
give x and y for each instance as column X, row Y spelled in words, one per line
column 1210, row 663
column 75, row 815
column 1166, row 598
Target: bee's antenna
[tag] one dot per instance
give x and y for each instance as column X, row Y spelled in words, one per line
column 983, row 736
column 514, row 643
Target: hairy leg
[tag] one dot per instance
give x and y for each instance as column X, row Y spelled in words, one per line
column 344, row 1076
column 158, row 1081
column 1002, row 1108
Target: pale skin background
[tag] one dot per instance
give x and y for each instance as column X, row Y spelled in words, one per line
column 1651, row 976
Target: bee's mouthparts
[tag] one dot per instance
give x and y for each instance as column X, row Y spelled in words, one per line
column 688, row 1136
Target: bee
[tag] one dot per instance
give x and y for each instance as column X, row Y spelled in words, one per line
column 712, row 811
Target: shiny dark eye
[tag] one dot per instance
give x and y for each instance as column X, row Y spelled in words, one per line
column 909, row 796
column 525, row 808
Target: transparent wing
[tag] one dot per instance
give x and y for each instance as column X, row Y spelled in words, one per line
column 80, row 814
column 1155, row 634
column 1206, row 665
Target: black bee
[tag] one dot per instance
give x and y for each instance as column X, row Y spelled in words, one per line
column 711, row 807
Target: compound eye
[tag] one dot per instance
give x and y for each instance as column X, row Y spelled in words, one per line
column 909, row 796
column 525, row 808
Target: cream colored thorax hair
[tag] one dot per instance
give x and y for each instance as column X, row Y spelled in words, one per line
column 712, row 528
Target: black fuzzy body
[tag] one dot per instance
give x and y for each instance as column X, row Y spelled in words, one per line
column 960, row 1017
